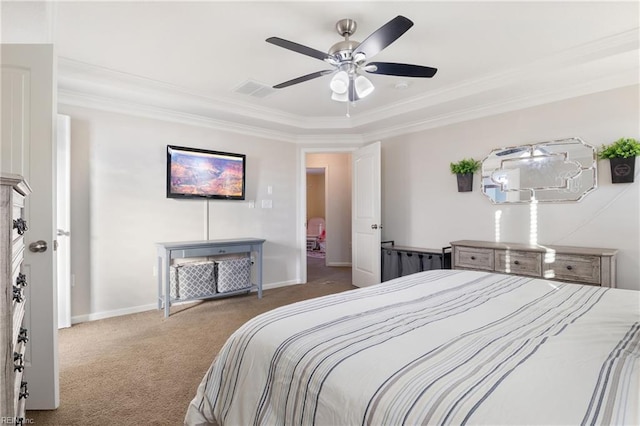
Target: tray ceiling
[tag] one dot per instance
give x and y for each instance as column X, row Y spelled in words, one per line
column 186, row 60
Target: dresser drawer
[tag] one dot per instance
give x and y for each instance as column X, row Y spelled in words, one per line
column 18, row 201
column 581, row 265
column 19, row 361
column 20, row 338
column 474, row 258
column 519, row 262
column 18, row 316
column 210, row 251
column 581, row 269
column 22, row 399
column 17, row 251
column 17, row 212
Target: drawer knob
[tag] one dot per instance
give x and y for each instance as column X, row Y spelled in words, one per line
column 20, row 225
column 24, row 392
column 516, row 262
column 21, row 280
column 17, row 294
column 22, row 336
column 18, row 362
column 473, row 258
column 569, row 267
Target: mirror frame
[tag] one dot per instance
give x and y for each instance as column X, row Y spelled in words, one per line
column 539, row 154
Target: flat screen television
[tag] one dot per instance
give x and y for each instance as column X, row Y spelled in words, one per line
column 200, row 173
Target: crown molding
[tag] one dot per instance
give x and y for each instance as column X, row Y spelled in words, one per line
column 76, row 99
column 628, row 78
column 91, row 86
column 331, row 139
column 81, row 77
column 627, row 41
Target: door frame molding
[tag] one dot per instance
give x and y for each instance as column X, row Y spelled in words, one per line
column 63, row 207
column 301, row 216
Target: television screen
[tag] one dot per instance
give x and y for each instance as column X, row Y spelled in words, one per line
column 200, row 173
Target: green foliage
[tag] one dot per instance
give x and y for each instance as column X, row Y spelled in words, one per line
column 467, row 165
column 622, row 148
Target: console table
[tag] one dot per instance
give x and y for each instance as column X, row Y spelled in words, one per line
column 182, row 249
column 581, row 265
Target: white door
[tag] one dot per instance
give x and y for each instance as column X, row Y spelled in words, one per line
column 28, row 135
column 63, row 173
column 366, row 216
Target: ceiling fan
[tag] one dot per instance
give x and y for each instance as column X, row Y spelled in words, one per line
column 349, row 58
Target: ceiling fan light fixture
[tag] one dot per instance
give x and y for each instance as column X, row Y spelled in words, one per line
column 359, row 58
column 364, row 87
column 349, row 58
column 339, row 97
column 340, row 83
column 332, row 60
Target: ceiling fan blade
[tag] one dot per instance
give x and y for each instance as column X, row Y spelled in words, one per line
column 402, row 70
column 297, row 48
column 302, row 79
column 384, row 36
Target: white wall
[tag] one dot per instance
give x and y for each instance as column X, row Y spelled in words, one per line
column 27, row 22
column 338, row 204
column 422, row 208
column 119, row 208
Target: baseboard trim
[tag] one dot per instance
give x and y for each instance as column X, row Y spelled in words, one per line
column 339, row 264
column 143, row 308
column 280, row 284
column 114, row 313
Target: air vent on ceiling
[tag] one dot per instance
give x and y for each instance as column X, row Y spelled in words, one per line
column 255, row 89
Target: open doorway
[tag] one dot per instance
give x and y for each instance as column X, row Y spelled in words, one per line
column 328, row 216
column 316, row 225
column 316, row 213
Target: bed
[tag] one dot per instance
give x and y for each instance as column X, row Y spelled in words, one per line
column 437, row 347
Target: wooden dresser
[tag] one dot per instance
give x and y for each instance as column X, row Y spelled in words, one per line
column 581, row 265
column 13, row 336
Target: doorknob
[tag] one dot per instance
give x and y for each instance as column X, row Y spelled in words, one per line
column 374, row 226
column 62, row 232
column 38, row 246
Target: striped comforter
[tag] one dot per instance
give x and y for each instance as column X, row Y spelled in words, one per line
column 438, row 347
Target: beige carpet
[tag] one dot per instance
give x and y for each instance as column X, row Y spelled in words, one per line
column 143, row 369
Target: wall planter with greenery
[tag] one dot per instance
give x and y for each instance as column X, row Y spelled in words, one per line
column 464, row 170
column 622, row 158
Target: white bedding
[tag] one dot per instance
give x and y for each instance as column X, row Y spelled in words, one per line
column 438, row 347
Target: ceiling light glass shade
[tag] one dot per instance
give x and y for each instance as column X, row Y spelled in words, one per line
column 340, row 97
column 359, row 58
column 340, row 82
column 364, row 87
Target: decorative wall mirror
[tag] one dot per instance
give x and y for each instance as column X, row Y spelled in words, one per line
column 555, row 171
